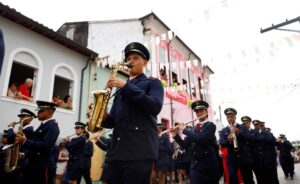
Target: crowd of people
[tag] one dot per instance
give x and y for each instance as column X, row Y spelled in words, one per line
column 141, row 151
column 65, row 103
column 62, row 163
column 23, row 91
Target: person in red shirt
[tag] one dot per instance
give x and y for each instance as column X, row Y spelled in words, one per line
column 24, row 92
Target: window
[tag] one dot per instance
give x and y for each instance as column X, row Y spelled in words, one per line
column 175, row 70
column 163, row 74
column 63, row 87
column 161, row 55
column 184, row 82
column 200, row 89
column 24, row 65
column 175, row 79
column 19, row 73
column 183, row 71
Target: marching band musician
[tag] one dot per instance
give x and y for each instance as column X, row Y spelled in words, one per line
column 181, row 163
column 269, row 155
column 164, row 150
column 40, row 146
column 104, row 144
column 87, row 158
column 285, row 158
column 26, row 117
column 237, row 157
column 246, row 122
column 3, row 175
column 201, row 140
column 75, row 146
column 134, row 116
column 256, row 150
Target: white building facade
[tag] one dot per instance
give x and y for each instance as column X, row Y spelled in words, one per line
column 170, row 56
column 54, row 63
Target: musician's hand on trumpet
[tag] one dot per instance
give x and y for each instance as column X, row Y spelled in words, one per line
column 236, row 130
column 67, row 139
column 230, row 137
column 20, row 138
column 12, row 124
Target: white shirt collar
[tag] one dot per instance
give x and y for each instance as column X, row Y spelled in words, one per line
column 29, row 125
column 45, row 121
column 131, row 77
column 76, row 136
column 233, row 125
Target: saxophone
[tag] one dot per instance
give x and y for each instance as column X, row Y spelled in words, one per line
column 101, row 98
column 12, row 153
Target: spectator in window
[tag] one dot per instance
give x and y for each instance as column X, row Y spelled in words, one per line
column 163, row 74
column 13, row 90
column 56, row 99
column 67, row 104
column 24, row 90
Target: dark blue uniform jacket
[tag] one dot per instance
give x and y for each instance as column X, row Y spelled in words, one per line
column 134, row 116
column 243, row 138
column 88, row 153
column 285, row 149
column 201, row 144
column 165, row 149
column 76, row 148
column 41, row 145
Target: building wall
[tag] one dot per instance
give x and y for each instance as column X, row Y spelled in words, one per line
column 50, row 58
column 95, row 78
column 109, row 39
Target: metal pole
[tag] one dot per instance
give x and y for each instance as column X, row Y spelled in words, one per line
column 189, row 80
column 220, row 113
column 170, row 80
column 279, row 25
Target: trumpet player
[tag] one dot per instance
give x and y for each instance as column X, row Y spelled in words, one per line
column 201, row 141
column 235, row 137
column 26, row 116
column 40, row 145
column 5, row 177
column 75, row 146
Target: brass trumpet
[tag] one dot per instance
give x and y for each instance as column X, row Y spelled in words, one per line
column 12, row 151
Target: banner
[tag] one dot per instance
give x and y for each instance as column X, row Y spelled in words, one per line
column 181, row 97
